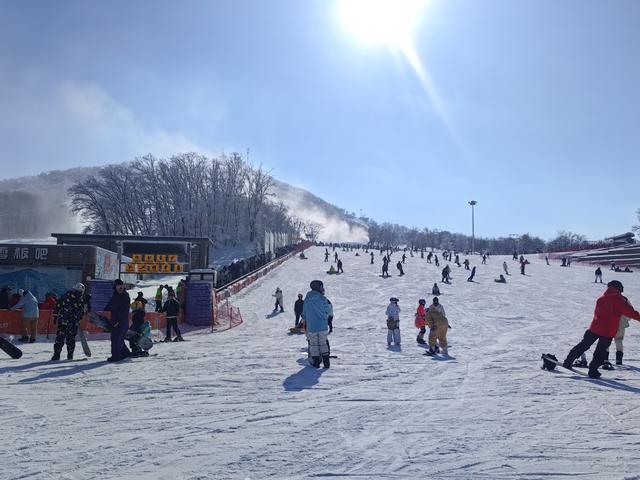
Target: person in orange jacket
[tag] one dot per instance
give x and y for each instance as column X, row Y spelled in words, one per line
column 421, row 322
column 604, row 326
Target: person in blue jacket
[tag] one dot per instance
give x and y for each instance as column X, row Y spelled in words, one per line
column 315, row 312
column 119, row 307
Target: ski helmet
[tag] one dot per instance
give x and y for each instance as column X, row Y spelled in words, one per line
column 422, row 301
column 616, row 284
column 394, row 299
column 317, row 285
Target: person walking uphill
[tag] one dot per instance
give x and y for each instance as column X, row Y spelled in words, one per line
column 315, row 314
column 68, row 313
column 119, row 307
column 279, row 300
column 297, row 309
column 393, row 322
column 30, row 314
column 604, row 326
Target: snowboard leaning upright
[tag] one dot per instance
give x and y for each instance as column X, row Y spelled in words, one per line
column 10, row 348
column 83, row 342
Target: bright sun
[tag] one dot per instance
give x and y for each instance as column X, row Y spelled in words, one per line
column 382, row 22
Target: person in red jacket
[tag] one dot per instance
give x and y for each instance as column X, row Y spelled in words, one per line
column 606, row 318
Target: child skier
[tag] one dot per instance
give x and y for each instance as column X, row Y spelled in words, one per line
column 420, row 321
column 393, row 322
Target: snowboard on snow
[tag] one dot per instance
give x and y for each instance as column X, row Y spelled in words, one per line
column 83, row 342
column 10, row 348
column 548, row 358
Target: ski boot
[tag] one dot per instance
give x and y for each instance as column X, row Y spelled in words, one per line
column 178, row 339
column 325, row 361
column 430, row 353
column 56, row 356
column 69, row 355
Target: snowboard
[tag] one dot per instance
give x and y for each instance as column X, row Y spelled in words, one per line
column 559, row 364
column 10, row 348
column 83, row 342
column 99, row 321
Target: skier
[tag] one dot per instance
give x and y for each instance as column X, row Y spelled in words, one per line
column 315, row 314
column 438, row 325
column 420, row 321
column 505, row 268
column 473, row 274
column 279, row 300
column 297, row 309
column 598, row 275
column 435, row 290
column 172, row 308
column 606, row 321
column 30, row 314
column 393, row 322
column 399, row 267
column 68, row 313
column 340, row 270
column 118, row 305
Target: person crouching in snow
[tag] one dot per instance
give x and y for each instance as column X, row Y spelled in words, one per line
column 420, row 321
column 393, row 322
column 435, row 290
column 315, row 314
column 279, row 300
column 438, row 326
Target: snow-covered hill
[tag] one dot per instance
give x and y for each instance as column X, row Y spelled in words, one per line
column 245, row 404
column 34, row 207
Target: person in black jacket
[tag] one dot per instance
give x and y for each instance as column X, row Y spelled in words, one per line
column 68, row 313
column 297, row 309
column 4, row 298
column 172, row 308
column 119, row 307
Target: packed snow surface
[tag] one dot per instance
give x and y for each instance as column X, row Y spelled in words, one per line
column 244, row 404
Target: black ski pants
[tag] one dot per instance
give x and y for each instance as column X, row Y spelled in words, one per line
column 172, row 322
column 600, row 354
column 66, row 333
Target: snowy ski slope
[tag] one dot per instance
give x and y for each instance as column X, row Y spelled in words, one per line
column 244, row 404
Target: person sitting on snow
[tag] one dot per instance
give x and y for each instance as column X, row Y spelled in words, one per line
column 435, row 290
column 501, row 279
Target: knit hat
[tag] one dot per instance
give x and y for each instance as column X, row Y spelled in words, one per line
column 616, row 284
column 118, row 282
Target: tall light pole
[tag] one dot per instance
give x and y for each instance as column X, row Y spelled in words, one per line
column 473, row 232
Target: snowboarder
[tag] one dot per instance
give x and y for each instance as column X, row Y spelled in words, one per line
column 404, row 257
column 393, row 322
column 505, row 268
column 326, row 256
column 598, row 275
column 330, row 317
column 68, row 313
column 340, row 270
column 371, row 258
column 172, row 308
column 484, row 259
column 438, row 324
column 466, row 264
column 445, row 274
column 30, row 314
column 429, row 257
column 473, row 274
column 335, row 257
column 297, row 309
column 522, row 266
column 501, row 279
column 315, row 314
column 546, row 258
column 118, row 305
column 279, row 300
column 158, row 298
column 436, row 260
column 399, row 267
column 420, row 321
column 606, row 321
column 435, row 290
column 385, row 267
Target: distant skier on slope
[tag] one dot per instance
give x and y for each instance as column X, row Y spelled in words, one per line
column 505, row 268
column 399, row 267
column 604, row 326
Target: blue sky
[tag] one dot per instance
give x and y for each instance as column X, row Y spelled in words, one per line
column 537, row 118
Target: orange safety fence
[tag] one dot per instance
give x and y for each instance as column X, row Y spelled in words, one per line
column 10, row 322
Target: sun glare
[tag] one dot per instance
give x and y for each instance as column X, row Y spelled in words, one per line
column 381, row 22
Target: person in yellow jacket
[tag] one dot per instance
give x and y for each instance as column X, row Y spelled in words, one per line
column 438, row 326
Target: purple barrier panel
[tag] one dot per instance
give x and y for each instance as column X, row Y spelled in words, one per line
column 199, row 303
